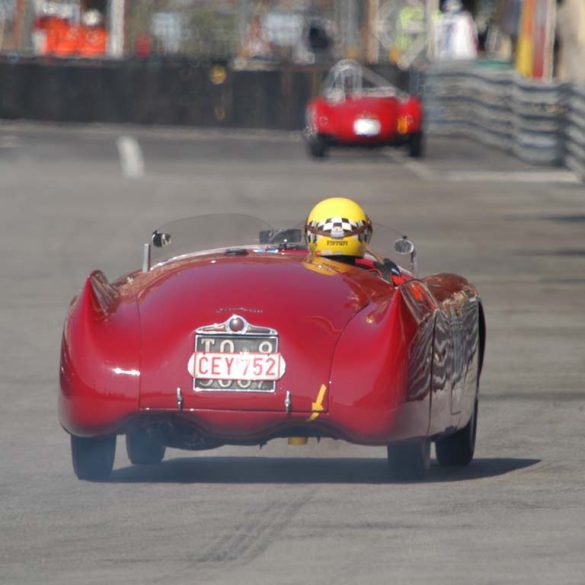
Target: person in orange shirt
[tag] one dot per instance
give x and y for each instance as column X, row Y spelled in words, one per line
column 68, row 41
column 93, row 42
column 93, row 38
column 57, row 41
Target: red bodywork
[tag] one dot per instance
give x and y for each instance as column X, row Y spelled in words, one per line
column 335, row 120
column 366, row 361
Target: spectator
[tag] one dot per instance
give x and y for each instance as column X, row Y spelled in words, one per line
column 93, row 37
column 571, row 37
column 143, row 45
column 456, row 34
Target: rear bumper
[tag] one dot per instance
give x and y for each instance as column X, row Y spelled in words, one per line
column 209, row 428
column 396, row 140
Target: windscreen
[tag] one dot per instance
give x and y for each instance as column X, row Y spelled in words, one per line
column 218, row 232
column 207, row 233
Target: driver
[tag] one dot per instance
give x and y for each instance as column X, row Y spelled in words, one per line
column 339, row 229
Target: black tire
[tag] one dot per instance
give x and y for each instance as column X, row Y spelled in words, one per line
column 93, row 458
column 144, row 448
column 317, row 147
column 410, row 460
column 416, row 145
column 457, row 449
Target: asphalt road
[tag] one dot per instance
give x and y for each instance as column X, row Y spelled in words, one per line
column 76, row 199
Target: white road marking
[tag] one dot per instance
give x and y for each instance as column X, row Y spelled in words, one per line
column 421, row 170
column 416, row 167
column 131, row 157
column 8, row 141
column 511, row 177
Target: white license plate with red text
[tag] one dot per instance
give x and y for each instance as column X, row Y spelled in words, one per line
column 241, row 366
column 243, row 363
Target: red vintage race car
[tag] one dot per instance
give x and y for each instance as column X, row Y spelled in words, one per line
column 360, row 108
column 233, row 334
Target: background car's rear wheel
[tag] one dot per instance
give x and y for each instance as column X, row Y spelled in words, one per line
column 416, row 145
column 317, row 147
column 458, row 448
column 144, row 447
column 409, row 460
column 93, row 458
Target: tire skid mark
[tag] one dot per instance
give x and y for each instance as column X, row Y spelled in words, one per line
column 258, row 526
column 254, row 532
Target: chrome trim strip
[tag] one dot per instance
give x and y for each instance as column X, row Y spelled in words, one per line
column 224, row 328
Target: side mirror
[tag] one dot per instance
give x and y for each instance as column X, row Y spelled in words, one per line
column 403, row 246
column 406, row 247
column 160, row 240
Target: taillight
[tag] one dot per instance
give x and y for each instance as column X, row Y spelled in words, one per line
column 404, row 124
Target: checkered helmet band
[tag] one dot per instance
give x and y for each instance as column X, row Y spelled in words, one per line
column 338, row 228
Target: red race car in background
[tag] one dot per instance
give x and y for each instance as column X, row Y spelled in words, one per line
column 360, row 108
column 233, row 334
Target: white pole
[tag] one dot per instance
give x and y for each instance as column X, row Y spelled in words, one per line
column 551, row 25
column 432, row 11
column 373, row 44
column 116, row 43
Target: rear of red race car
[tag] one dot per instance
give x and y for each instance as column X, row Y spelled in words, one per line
column 366, row 121
column 359, row 107
column 181, row 357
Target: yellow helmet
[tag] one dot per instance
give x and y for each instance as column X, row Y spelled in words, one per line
column 338, row 227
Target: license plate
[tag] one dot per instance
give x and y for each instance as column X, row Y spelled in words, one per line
column 239, row 366
column 237, row 363
column 366, row 127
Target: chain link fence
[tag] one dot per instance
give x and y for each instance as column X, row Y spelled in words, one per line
column 257, row 32
column 178, row 28
column 260, row 31
column 8, row 35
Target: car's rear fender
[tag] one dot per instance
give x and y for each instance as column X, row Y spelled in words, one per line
column 319, row 118
column 372, row 371
column 458, row 351
column 100, row 360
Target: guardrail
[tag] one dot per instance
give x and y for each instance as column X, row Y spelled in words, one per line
column 541, row 123
column 497, row 107
column 575, row 131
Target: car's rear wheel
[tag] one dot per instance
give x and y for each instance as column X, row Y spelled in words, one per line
column 144, row 448
column 458, row 448
column 410, row 460
column 416, row 145
column 93, row 457
column 317, row 146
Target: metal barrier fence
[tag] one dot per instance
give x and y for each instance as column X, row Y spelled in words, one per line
column 575, row 131
column 541, row 123
column 497, row 107
column 162, row 91
column 154, row 91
